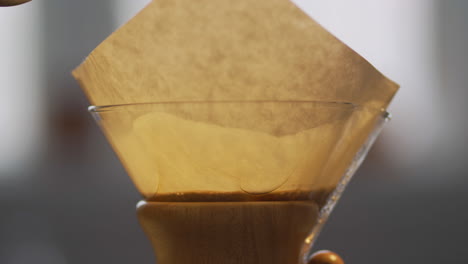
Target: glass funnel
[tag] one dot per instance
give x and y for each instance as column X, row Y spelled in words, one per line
column 238, row 182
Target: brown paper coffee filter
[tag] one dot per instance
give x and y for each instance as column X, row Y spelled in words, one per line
column 178, row 50
column 277, row 72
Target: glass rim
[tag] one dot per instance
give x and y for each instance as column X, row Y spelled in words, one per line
column 104, row 108
column 99, row 108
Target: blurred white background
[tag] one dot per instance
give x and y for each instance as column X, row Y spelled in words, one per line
column 64, row 197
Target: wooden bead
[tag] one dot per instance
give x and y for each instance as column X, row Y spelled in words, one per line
column 12, row 2
column 325, row 257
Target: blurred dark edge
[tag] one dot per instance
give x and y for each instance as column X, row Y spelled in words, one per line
column 12, row 2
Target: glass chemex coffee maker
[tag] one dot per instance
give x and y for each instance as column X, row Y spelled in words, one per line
column 249, row 182
column 239, row 122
